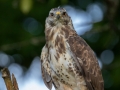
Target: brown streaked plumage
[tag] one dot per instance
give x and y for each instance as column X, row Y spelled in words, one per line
column 67, row 61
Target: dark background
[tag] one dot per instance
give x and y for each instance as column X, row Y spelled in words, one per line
column 22, row 25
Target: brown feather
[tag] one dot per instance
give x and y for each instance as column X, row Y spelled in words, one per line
column 45, row 68
column 90, row 67
column 67, row 60
column 46, row 78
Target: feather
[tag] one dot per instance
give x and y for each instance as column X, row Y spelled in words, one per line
column 47, row 79
column 44, row 61
column 67, row 60
column 90, row 67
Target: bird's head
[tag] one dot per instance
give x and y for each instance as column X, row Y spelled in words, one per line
column 58, row 16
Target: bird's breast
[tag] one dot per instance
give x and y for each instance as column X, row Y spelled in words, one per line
column 62, row 64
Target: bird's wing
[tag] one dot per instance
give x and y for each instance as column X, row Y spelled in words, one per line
column 45, row 68
column 87, row 62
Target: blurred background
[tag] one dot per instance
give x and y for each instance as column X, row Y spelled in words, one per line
column 22, row 24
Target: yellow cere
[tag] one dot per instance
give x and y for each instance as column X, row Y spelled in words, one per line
column 58, row 12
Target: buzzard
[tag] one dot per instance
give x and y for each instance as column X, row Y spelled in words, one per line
column 67, row 61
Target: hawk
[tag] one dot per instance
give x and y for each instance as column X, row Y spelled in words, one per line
column 67, row 61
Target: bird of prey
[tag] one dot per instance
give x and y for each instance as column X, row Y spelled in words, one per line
column 67, row 61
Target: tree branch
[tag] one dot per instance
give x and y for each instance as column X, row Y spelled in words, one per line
column 32, row 41
column 10, row 84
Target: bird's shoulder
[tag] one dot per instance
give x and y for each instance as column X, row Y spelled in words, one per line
column 88, row 62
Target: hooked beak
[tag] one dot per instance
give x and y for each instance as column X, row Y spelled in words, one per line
column 58, row 15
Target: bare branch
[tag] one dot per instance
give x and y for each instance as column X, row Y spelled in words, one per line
column 15, row 85
column 7, row 78
column 10, row 84
column 32, row 41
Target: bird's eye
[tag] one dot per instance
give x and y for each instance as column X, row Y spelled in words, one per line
column 64, row 13
column 51, row 14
